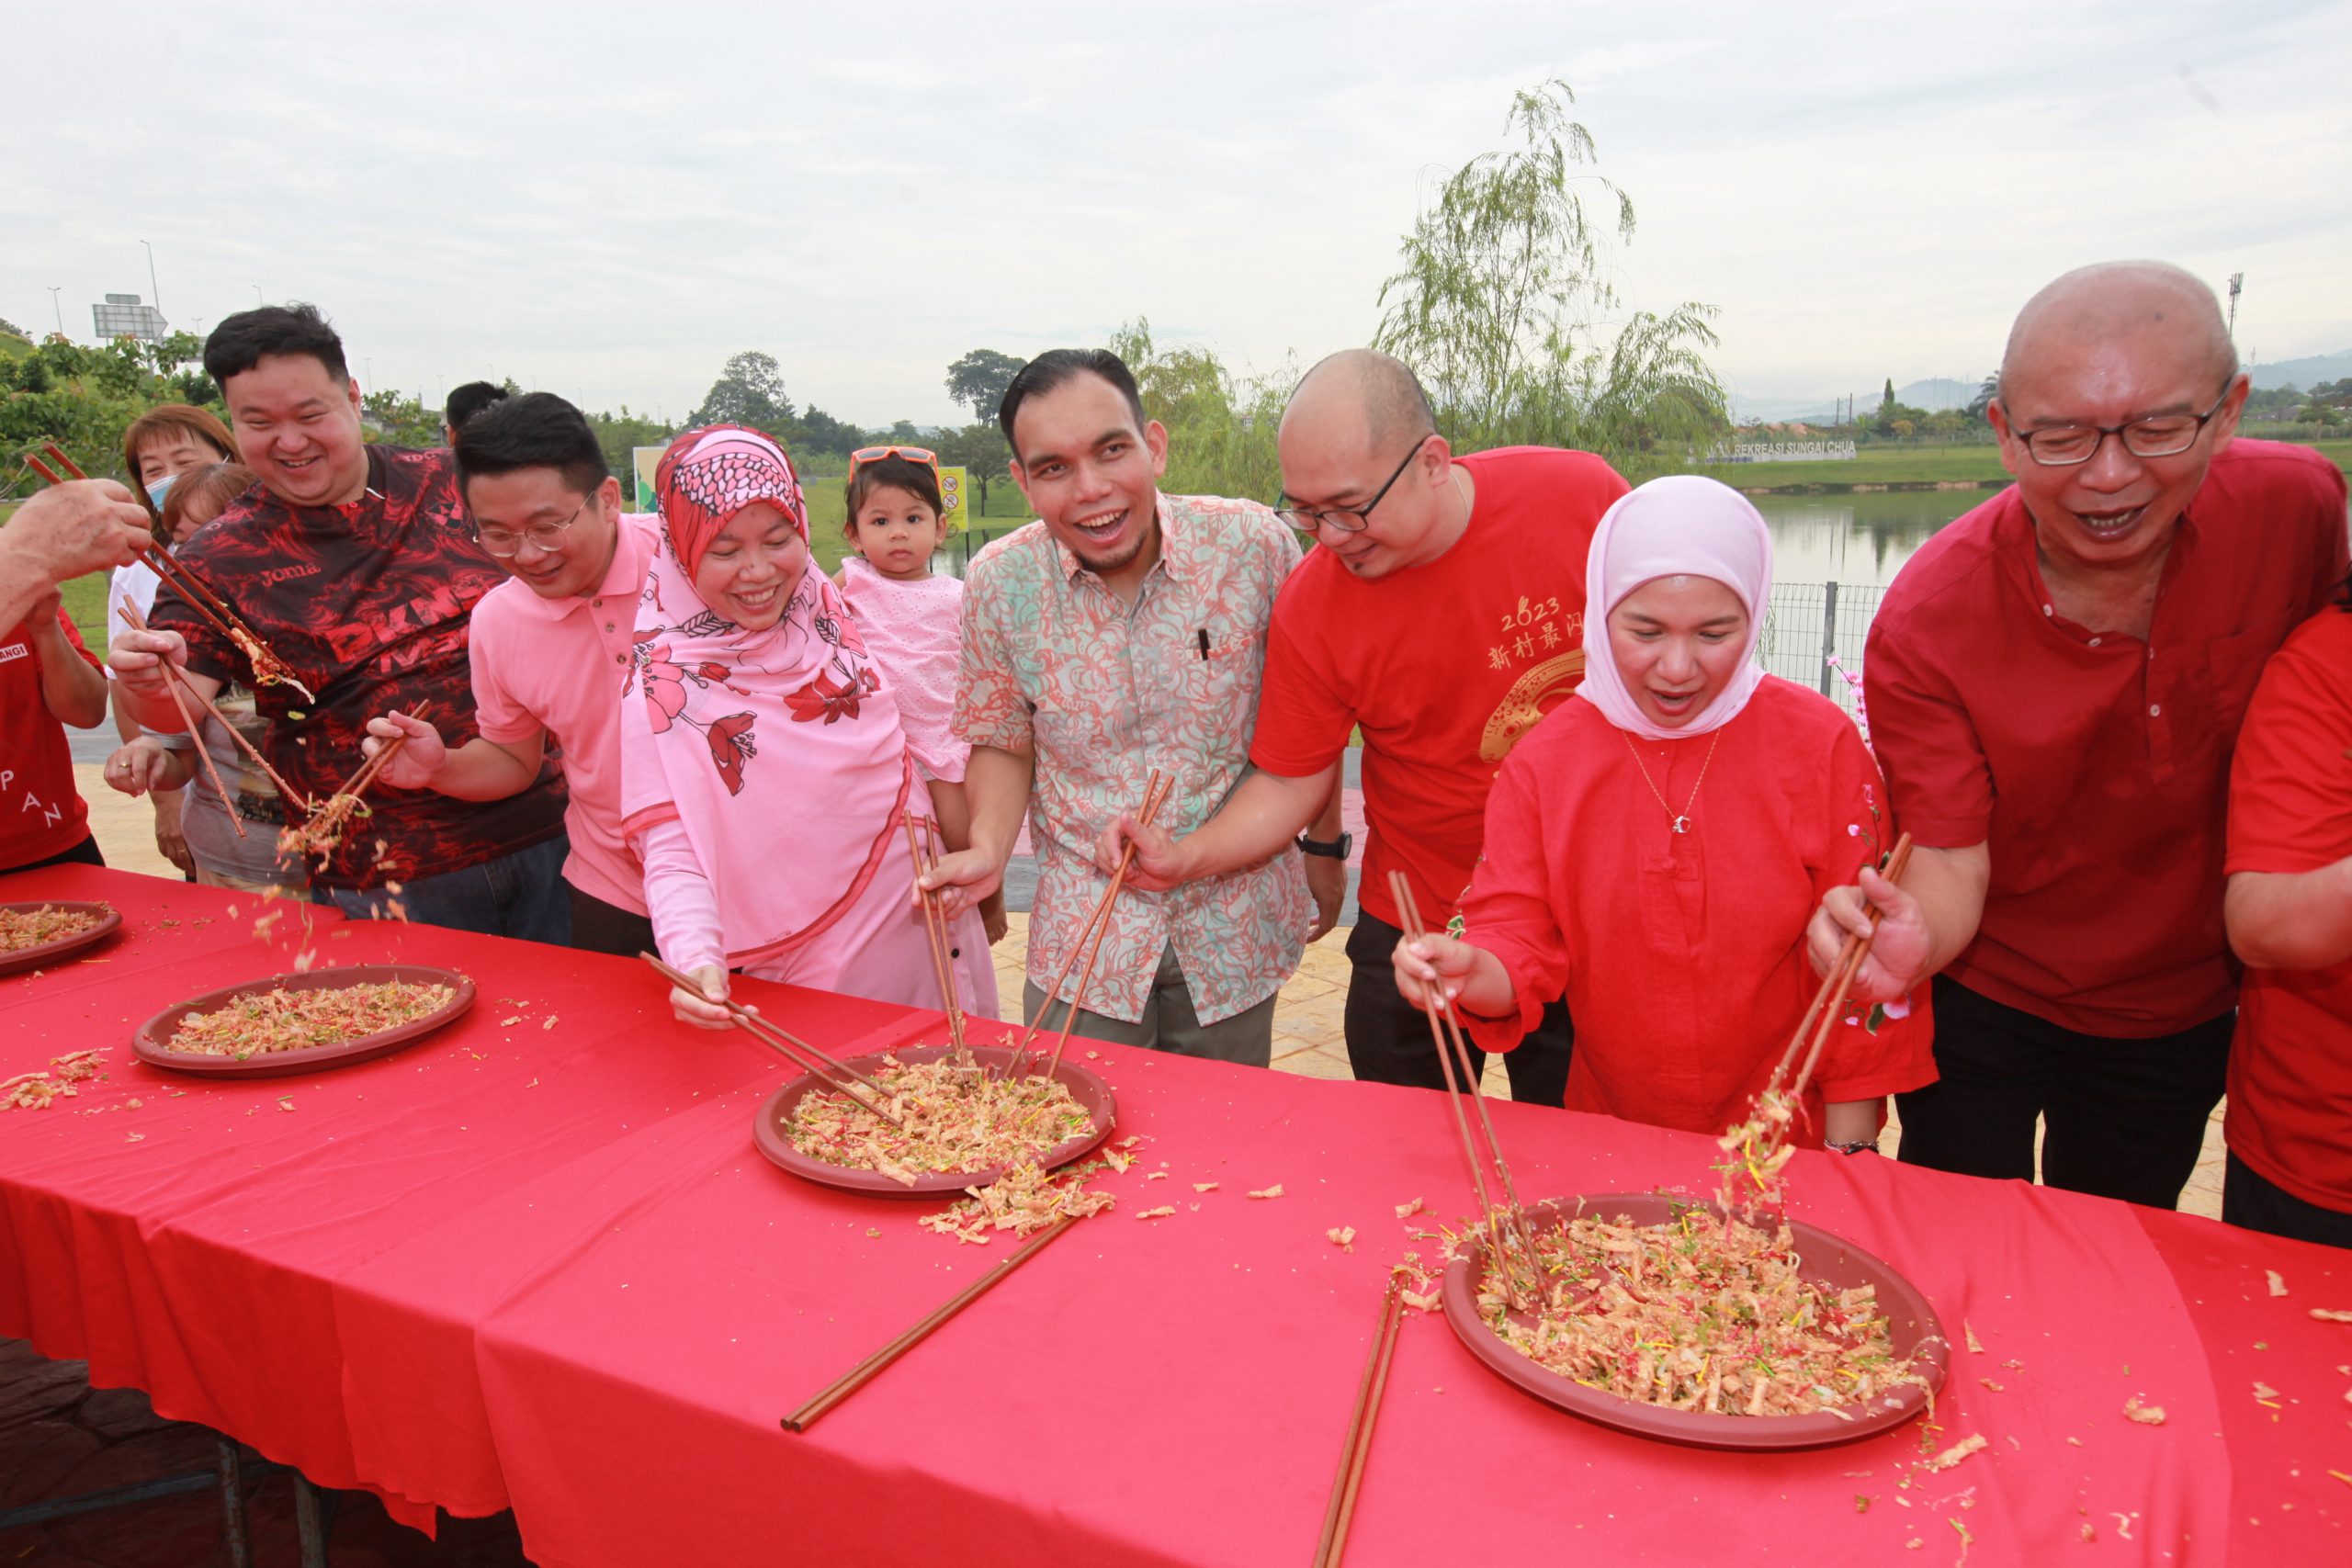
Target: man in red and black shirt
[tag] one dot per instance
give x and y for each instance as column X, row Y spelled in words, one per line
column 357, row 566
column 2056, row 684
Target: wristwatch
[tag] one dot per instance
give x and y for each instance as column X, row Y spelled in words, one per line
column 1860, row 1146
column 1336, row 850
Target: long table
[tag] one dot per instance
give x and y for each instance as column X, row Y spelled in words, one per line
column 534, row 1261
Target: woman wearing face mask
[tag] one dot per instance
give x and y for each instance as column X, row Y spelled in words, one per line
column 1656, row 846
column 158, row 446
column 763, row 770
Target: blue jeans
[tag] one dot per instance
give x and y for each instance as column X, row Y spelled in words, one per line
column 522, row 894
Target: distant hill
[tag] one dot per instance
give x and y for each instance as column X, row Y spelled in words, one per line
column 2305, row 373
column 1934, row 393
column 1937, row 393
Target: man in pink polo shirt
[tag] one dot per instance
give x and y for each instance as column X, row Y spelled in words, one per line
column 549, row 649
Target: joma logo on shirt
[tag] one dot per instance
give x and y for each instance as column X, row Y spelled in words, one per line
column 279, row 574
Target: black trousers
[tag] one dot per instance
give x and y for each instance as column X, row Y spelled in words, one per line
column 1388, row 1037
column 599, row 927
column 2122, row 1118
column 2257, row 1203
column 83, row 854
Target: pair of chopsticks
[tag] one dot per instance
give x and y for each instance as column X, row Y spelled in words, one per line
column 177, row 683
column 365, row 774
column 1156, row 792
column 858, row 1376
column 211, row 606
column 1813, row 1032
column 925, row 854
column 835, row 1073
column 1453, row 1049
column 1358, row 1447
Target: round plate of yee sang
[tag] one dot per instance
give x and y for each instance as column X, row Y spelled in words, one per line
column 92, row 923
column 340, row 1047
column 1915, row 1336
column 774, row 1127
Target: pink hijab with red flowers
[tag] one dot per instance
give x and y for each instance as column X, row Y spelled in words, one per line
column 778, row 751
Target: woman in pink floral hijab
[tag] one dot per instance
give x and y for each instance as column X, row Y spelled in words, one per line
column 764, row 769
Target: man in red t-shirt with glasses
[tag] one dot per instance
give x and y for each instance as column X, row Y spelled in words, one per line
column 1442, row 618
column 2055, row 685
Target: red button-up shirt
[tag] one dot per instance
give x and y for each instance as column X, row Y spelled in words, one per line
column 2093, row 764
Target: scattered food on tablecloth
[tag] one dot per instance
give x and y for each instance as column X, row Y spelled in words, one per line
column 1406, row 1210
column 1274, row 1191
column 1157, row 1176
column 2278, row 1281
column 2146, row 1414
column 1997, row 1388
column 1204, row 1186
column 1968, row 1331
column 1024, row 1199
column 34, row 1091
column 260, row 1023
column 2332, row 1314
column 1159, row 1213
column 1973, row 1443
column 1342, row 1237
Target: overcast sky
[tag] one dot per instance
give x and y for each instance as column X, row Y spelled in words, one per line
column 606, row 201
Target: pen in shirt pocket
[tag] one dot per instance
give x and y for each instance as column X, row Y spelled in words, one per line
column 1205, row 643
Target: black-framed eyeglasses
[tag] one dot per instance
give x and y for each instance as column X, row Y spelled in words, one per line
column 2163, row 435
column 1348, row 519
column 506, row 543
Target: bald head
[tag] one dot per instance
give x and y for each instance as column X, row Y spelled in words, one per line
column 2126, row 306
column 1361, row 397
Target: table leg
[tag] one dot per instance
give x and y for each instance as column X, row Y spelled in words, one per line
column 313, row 1518
column 232, row 1502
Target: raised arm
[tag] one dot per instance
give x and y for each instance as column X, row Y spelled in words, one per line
column 64, row 532
column 1258, row 820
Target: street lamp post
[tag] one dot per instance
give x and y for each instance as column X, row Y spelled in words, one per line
column 155, row 289
column 53, row 305
column 256, row 296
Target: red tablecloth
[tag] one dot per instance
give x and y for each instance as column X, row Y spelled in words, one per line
column 544, row 1266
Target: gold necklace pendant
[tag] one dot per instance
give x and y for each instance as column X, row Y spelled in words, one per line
column 1676, row 822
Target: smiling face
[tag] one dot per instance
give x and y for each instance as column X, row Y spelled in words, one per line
column 1092, row 476
column 298, row 427
column 513, row 504
column 1678, row 642
column 753, row 564
column 896, row 531
column 1331, row 461
column 2118, row 348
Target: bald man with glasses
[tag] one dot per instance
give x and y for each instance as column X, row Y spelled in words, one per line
column 1442, row 617
column 2056, row 683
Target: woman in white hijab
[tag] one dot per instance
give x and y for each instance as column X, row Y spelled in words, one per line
column 1656, row 846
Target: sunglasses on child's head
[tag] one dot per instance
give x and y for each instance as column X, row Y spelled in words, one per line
column 865, row 455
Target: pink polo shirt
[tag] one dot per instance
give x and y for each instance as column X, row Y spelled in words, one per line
column 557, row 665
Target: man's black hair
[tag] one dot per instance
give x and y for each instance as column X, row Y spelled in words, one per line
column 244, row 340
column 537, row 430
column 469, row 401
column 1057, row 366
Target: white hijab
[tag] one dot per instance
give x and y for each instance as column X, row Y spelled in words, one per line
column 1684, row 525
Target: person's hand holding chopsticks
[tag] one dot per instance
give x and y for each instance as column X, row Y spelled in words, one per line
column 1898, row 956
column 136, row 659
column 706, row 1009
column 419, row 757
column 1473, row 979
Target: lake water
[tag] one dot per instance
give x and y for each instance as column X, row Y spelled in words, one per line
column 1862, row 541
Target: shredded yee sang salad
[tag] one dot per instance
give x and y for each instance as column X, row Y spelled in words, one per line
column 264, row 1022
column 957, row 1118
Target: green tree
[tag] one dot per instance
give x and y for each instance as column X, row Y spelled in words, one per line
column 820, row 432
column 1503, row 306
column 1221, row 427
column 979, row 380
column 400, row 419
column 979, row 450
column 749, row 392
column 1985, row 392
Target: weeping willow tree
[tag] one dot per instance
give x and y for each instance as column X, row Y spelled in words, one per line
column 1221, row 426
column 1505, row 308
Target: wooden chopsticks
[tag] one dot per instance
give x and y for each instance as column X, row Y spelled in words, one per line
column 833, row 1073
column 858, row 1376
column 354, row 786
column 934, row 923
column 1358, row 1447
column 1453, row 1049
column 267, row 667
column 1156, row 792
column 1830, row 999
column 179, row 682
column 175, row 684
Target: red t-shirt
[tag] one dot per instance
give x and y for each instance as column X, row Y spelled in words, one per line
column 42, row 812
column 2095, row 766
column 1682, row 956
column 370, row 602
column 1443, row 666
column 2291, row 811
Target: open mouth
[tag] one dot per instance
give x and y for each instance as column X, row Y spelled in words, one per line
column 2109, row 524
column 1102, row 529
column 1674, row 705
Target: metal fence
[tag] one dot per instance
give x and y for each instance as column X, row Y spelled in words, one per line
column 1807, row 623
